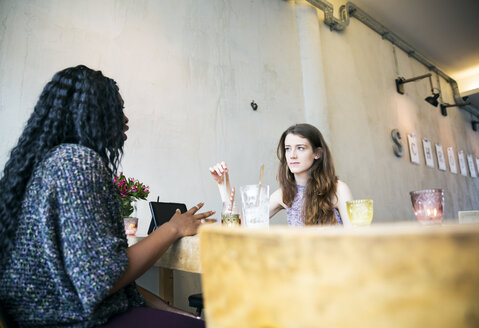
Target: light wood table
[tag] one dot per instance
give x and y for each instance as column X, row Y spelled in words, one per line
column 384, row 275
column 184, row 255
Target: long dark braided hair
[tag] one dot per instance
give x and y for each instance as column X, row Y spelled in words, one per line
column 80, row 106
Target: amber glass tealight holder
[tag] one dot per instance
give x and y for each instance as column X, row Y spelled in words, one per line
column 428, row 205
column 360, row 211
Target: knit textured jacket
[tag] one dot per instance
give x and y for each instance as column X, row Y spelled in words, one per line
column 70, row 247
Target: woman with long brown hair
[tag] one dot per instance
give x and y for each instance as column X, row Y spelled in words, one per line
column 309, row 189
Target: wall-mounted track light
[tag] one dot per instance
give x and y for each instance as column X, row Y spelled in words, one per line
column 400, row 81
column 474, row 125
column 444, row 106
column 433, row 99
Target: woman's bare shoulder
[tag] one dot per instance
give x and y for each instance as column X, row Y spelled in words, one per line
column 342, row 184
column 277, row 194
column 343, row 192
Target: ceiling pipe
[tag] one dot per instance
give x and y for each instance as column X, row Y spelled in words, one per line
column 350, row 9
column 329, row 19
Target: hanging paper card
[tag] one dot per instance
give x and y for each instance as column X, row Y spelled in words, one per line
column 452, row 160
column 441, row 161
column 428, row 152
column 462, row 163
column 472, row 167
column 413, row 151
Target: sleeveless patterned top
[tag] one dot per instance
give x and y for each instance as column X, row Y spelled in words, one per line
column 293, row 213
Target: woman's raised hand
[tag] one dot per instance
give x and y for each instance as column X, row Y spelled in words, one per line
column 186, row 224
column 219, row 171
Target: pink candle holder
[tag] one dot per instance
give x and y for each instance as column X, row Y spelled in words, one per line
column 428, row 205
column 130, row 225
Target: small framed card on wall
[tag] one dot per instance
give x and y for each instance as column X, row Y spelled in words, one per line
column 452, row 160
column 441, row 161
column 413, row 150
column 428, row 152
column 462, row 163
column 472, row 167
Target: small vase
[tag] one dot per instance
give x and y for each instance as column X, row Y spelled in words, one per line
column 134, row 204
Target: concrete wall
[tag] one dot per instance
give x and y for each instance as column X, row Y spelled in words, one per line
column 360, row 69
column 188, row 71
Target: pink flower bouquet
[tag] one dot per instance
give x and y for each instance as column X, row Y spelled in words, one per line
column 130, row 190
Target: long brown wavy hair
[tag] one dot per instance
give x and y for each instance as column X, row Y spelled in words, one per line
column 320, row 190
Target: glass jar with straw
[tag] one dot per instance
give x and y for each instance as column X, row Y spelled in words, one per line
column 230, row 214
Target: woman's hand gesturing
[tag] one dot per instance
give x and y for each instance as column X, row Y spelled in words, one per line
column 219, row 171
column 186, row 224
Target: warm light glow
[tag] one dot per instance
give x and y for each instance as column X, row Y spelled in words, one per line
column 432, row 212
column 467, row 80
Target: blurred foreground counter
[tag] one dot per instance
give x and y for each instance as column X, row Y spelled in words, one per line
column 383, row 275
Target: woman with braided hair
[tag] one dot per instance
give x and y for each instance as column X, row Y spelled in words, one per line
column 65, row 259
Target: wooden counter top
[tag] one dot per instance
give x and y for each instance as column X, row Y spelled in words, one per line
column 184, row 254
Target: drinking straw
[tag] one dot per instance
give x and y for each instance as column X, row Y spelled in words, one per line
column 259, row 184
column 232, row 198
column 227, row 181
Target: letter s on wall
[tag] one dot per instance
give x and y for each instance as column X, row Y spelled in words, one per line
column 397, row 147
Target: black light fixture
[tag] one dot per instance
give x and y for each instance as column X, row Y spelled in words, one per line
column 443, row 108
column 433, row 99
column 400, row 81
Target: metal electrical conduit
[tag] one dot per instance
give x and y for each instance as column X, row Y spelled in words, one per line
column 350, row 9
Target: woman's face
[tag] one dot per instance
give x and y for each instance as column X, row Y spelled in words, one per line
column 125, row 126
column 125, row 120
column 299, row 153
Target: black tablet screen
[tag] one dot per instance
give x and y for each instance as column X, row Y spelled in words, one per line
column 162, row 212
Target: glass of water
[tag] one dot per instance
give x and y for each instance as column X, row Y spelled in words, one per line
column 255, row 201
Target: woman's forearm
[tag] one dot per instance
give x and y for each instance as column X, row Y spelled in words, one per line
column 224, row 192
column 145, row 253
column 276, row 202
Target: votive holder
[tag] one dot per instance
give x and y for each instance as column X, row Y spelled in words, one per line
column 360, row 211
column 428, row 205
column 131, row 225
